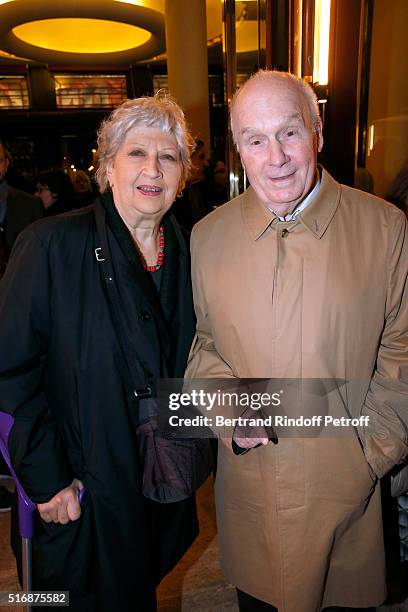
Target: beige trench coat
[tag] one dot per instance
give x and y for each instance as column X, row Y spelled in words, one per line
column 300, row 522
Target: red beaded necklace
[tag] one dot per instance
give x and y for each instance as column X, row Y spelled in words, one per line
column 160, row 257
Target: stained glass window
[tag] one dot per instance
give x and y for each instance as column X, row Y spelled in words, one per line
column 90, row 90
column 14, row 92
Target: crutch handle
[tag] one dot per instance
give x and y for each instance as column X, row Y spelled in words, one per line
column 83, row 496
column 26, row 507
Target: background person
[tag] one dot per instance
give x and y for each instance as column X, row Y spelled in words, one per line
column 56, row 192
column 193, row 204
column 84, row 195
column 64, row 377
column 17, row 210
column 219, row 183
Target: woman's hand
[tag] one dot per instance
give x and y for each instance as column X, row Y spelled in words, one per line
column 64, row 506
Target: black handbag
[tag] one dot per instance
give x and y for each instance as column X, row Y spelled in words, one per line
column 173, row 469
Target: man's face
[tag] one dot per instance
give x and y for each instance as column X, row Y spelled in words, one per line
column 4, row 163
column 277, row 143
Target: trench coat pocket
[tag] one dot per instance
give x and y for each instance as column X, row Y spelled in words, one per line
column 62, row 554
column 384, row 439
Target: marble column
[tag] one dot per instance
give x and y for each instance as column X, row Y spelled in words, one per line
column 187, row 63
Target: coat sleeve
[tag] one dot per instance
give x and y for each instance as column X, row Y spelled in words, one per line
column 37, row 454
column 205, row 362
column 385, row 438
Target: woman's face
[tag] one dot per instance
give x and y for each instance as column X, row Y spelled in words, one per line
column 81, row 184
column 145, row 174
column 47, row 198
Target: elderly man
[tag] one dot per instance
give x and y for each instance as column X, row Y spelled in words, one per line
column 303, row 278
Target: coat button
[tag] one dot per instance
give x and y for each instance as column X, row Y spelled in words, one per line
column 145, row 316
column 284, row 233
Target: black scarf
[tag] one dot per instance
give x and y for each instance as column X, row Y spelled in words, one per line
column 164, row 301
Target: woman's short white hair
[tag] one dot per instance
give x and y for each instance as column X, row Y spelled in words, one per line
column 160, row 111
column 268, row 76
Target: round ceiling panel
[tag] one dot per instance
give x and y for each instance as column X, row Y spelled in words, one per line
column 86, row 32
column 72, row 35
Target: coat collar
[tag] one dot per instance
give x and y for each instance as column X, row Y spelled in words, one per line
column 315, row 218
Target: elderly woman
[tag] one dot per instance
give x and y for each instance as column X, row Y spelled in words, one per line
column 94, row 307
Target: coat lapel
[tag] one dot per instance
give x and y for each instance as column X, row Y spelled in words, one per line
column 176, row 296
column 135, row 267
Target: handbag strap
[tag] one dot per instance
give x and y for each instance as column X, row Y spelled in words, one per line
column 131, row 361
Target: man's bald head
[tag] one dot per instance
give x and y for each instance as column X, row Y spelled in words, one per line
column 265, row 80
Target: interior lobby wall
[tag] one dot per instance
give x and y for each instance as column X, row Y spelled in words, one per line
column 387, row 147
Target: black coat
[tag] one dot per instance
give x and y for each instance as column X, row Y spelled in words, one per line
column 62, row 377
column 22, row 209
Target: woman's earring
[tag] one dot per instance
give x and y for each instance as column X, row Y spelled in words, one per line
column 180, row 190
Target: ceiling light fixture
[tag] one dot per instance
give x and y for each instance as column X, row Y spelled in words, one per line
column 73, row 35
column 86, row 32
